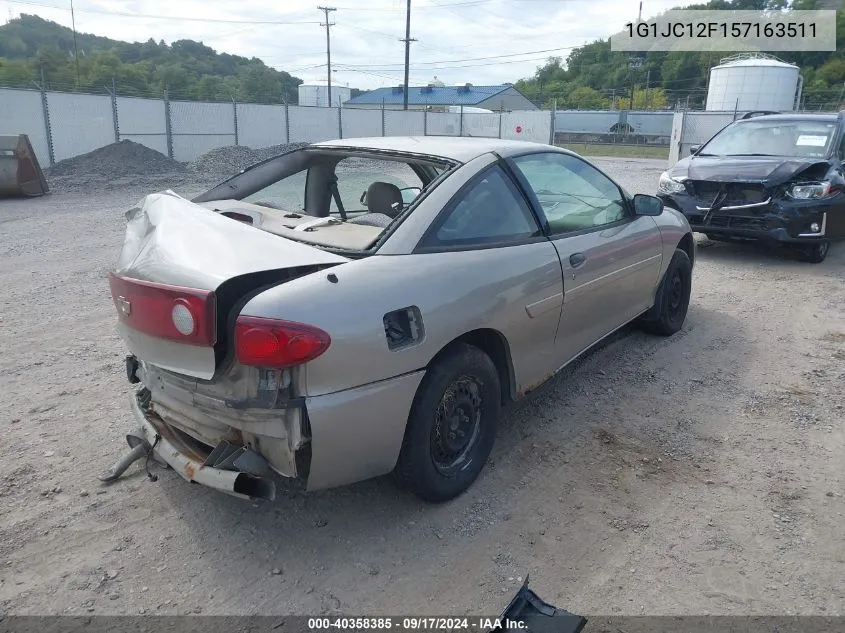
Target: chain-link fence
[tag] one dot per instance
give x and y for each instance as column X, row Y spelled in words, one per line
column 143, row 121
column 63, row 124
column 613, row 127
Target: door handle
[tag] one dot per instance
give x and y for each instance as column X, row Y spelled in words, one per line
column 577, row 259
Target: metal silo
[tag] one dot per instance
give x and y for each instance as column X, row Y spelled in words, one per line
column 754, row 82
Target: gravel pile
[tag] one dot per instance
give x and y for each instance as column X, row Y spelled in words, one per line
column 224, row 160
column 233, row 158
column 117, row 160
column 275, row 150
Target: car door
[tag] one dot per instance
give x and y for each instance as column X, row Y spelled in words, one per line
column 610, row 258
column 502, row 274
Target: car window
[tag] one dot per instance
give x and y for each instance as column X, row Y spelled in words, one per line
column 573, row 194
column 287, row 194
column 807, row 139
column 355, row 175
column 490, row 211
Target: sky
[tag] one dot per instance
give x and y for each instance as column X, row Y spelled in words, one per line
column 482, row 42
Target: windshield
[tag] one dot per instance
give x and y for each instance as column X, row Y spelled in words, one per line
column 810, row 139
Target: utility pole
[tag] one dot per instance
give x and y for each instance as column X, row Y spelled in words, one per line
column 407, row 41
column 75, row 48
column 328, row 24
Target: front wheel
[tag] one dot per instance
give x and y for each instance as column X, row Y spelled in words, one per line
column 452, row 425
column 669, row 311
column 816, row 253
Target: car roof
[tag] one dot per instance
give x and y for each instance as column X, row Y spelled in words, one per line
column 797, row 116
column 461, row 149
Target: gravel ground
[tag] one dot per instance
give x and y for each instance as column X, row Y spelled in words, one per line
column 700, row 474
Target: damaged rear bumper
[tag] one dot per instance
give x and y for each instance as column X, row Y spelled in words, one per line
column 346, row 436
column 167, row 445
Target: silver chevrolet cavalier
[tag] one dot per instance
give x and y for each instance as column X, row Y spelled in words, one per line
column 366, row 306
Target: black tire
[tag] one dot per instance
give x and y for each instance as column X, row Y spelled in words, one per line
column 463, row 388
column 669, row 311
column 816, row 253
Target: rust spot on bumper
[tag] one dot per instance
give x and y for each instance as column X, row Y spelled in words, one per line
column 190, row 470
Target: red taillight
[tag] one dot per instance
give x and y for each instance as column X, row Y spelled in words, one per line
column 261, row 342
column 186, row 315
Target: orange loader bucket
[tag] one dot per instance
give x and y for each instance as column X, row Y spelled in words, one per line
column 20, row 173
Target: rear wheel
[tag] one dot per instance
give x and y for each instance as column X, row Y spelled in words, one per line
column 669, row 311
column 452, row 425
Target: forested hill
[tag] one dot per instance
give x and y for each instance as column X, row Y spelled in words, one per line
column 593, row 76
column 30, row 45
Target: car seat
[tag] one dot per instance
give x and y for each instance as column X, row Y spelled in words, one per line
column 384, row 203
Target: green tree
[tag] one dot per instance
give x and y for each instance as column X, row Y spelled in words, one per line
column 30, row 45
column 585, row 98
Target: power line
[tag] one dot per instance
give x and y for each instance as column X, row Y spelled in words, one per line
column 473, row 59
column 481, row 65
column 421, row 7
column 159, row 17
column 366, row 72
column 328, row 25
column 392, row 35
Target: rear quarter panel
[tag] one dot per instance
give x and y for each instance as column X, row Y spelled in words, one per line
column 455, row 292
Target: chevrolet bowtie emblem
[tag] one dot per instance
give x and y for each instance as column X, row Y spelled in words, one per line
column 124, row 306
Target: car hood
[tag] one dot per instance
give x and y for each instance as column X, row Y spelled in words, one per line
column 767, row 170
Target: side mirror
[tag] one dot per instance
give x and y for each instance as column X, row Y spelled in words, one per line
column 647, row 205
column 694, row 149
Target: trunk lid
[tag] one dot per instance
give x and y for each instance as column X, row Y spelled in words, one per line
column 176, row 246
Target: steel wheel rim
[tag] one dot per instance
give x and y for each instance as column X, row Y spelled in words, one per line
column 676, row 294
column 457, row 425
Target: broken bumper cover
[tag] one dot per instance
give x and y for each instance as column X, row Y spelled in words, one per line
column 538, row 616
column 193, row 467
column 777, row 221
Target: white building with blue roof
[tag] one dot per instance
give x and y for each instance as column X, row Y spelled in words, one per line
column 436, row 98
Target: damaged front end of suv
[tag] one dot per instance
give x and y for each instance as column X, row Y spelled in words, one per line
column 772, row 179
